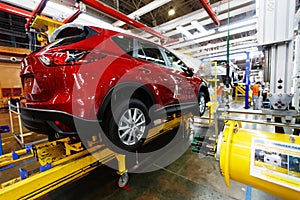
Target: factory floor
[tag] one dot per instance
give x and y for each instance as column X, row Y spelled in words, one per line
column 191, row 176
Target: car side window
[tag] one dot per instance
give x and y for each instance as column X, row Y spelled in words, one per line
column 150, row 52
column 175, row 62
column 125, row 43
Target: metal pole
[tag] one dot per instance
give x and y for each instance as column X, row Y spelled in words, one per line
column 1, row 150
column 228, row 38
column 210, row 11
column 20, row 123
column 120, row 16
column 10, row 117
column 247, row 74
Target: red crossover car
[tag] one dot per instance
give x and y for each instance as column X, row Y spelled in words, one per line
column 90, row 75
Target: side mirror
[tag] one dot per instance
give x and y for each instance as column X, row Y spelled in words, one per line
column 189, row 71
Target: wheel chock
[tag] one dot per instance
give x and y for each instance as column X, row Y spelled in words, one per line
column 14, row 155
column 28, row 147
column 45, row 167
column 23, row 173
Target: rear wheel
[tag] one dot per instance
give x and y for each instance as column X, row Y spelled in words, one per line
column 128, row 125
column 202, row 103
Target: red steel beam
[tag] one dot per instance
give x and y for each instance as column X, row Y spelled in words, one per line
column 37, row 11
column 15, row 11
column 72, row 17
column 120, row 16
column 209, row 11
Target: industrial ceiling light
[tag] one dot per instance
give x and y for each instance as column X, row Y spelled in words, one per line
column 171, row 11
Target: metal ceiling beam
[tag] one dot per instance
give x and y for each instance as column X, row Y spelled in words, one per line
column 35, row 12
column 143, row 10
column 223, row 50
column 212, row 37
column 242, row 48
column 199, row 15
column 209, row 11
column 118, row 15
column 221, row 17
column 72, row 17
column 15, row 11
column 252, row 38
column 50, row 10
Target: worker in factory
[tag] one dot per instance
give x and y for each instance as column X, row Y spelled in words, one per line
column 255, row 95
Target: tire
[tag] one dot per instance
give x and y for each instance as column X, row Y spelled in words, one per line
column 128, row 125
column 201, row 103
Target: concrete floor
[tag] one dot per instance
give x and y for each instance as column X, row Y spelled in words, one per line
column 191, row 176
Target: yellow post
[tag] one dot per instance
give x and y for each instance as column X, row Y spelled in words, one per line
column 121, row 163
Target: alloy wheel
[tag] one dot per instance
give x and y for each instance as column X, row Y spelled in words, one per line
column 132, row 126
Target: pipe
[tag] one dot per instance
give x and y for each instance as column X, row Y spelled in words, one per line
column 11, row 59
column 37, row 11
column 209, row 11
column 120, row 16
column 260, row 159
column 72, row 17
column 14, row 11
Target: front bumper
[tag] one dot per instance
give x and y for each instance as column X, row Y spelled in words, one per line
column 45, row 121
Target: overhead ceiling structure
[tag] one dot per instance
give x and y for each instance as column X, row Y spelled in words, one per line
column 190, row 30
column 196, row 34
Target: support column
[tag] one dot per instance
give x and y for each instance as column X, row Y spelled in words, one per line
column 275, row 34
column 247, row 74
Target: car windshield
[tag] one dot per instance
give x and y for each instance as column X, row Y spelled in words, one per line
column 188, row 60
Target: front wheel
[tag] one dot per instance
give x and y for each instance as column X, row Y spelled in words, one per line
column 129, row 125
column 202, row 103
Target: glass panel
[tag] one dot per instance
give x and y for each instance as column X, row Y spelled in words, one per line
column 125, row 43
column 175, row 62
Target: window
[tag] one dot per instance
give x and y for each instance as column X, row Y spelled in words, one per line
column 175, row 62
column 125, row 43
column 70, row 34
column 150, row 52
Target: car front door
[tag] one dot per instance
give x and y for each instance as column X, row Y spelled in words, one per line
column 150, row 63
column 185, row 85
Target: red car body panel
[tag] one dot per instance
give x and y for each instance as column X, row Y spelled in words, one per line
column 80, row 89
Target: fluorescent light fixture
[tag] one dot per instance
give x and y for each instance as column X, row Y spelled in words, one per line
column 185, row 32
column 238, row 24
column 171, row 11
column 198, row 26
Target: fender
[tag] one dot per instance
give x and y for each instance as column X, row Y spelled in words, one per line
column 120, row 86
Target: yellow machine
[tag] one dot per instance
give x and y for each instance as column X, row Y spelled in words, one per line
column 265, row 160
column 62, row 161
column 58, row 163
